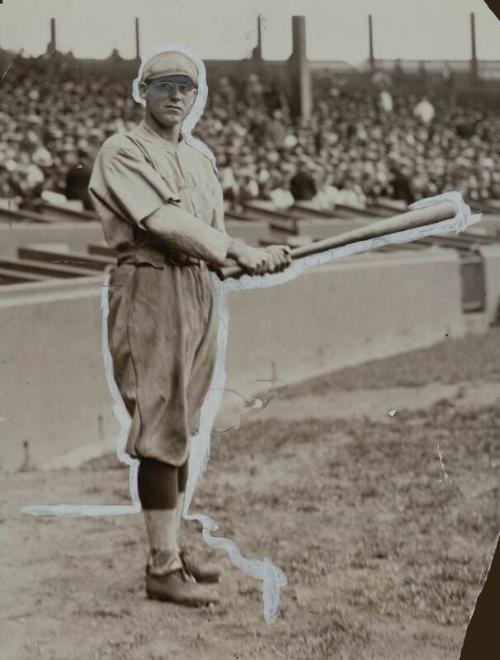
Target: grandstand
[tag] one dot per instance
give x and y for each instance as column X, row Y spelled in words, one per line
column 397, row 129
column 282, row 131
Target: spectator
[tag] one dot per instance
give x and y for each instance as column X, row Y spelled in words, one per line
column 302, row 184
column 78, row 176
column 401, row 186
column 359, row 145
column 424, row 110
column 385, row 101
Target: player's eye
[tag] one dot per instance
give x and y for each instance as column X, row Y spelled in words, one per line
column 166, row 87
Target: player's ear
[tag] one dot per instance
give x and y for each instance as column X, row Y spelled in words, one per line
column 143, row 88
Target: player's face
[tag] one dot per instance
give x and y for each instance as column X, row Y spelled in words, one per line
column 169, row 99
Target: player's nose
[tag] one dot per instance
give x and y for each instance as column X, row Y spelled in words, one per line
column 175, row 93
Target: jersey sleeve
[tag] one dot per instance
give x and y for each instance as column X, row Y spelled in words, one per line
column 125, row 179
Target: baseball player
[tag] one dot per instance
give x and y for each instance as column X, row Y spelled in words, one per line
column 161, row 207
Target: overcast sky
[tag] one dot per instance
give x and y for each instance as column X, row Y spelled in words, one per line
column 336, row 29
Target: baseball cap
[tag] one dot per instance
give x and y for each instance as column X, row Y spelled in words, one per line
column 170, row 63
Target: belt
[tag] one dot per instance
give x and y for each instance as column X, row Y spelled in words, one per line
column 155, row 257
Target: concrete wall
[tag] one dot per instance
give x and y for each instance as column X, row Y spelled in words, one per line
column 54, row 393
column 491, row 256
column 358, row 309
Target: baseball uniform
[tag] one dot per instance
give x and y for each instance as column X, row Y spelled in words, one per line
column 162, row 325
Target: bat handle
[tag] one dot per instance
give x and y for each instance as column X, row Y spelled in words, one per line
column 230, row 271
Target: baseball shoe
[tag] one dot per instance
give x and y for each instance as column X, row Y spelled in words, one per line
column 208, row 573
column 178, row 587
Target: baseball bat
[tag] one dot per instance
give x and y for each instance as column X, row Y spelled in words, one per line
column 401, row 222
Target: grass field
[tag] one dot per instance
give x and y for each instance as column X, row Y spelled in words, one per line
column 382, row 516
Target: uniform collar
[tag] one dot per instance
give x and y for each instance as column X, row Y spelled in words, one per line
column 149, row 133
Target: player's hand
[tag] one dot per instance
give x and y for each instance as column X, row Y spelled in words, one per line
column 254, row 261
column 280, row 257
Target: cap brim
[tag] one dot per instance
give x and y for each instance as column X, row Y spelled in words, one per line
column 169, row 74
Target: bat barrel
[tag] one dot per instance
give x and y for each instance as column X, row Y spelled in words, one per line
column 401, row 222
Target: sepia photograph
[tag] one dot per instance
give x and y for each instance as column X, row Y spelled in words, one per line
column 250, row 330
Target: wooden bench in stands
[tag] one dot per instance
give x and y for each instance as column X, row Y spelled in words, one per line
column 65, row 214
column 78, row 259
column 9, row 216
column 46, row 270
column 10, row 277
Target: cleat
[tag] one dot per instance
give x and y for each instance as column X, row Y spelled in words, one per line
column 177, row 587
column 208, row 573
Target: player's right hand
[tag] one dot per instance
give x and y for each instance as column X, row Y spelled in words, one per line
column 280, row 257
column 254, row 261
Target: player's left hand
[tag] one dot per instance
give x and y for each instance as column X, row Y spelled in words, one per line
column 280, row 257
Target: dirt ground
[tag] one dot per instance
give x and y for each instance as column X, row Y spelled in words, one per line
column 375, row 489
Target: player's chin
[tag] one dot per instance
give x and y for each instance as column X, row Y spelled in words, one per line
column 170, row 117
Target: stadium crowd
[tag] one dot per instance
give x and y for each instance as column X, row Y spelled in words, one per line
column 358, row 146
